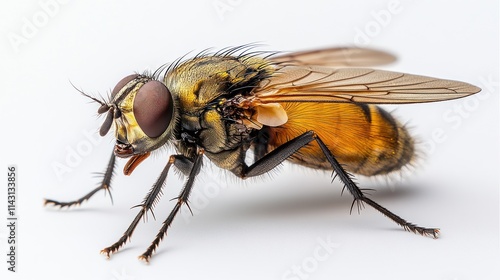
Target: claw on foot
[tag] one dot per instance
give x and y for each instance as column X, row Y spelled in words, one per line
column 428, row 232
column 107, row 252
column 434, row 232
column 144, row 258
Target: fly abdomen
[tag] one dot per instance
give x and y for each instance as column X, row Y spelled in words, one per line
column 390, row 145
column 365, row 139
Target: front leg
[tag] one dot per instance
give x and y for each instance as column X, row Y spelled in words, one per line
column 105, row 185
column 277, row 156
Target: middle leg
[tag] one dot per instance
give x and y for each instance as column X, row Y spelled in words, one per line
column 182, row 163
column 181, row 199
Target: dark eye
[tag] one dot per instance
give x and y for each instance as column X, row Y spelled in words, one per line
column 122, row 83
column 153, row 108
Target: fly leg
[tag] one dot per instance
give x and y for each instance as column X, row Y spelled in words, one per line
column 181, row 199
column 105, row 185
column 183, row 164
column 275, row 157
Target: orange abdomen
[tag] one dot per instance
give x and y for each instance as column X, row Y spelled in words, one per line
column 364, row 138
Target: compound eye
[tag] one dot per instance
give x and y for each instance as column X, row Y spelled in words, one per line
column 122, row 83
column 153, row 108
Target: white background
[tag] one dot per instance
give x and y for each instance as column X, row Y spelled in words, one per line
column 263, row 228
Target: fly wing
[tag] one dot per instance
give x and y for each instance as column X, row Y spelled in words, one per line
column 336, row 57
column 358, row 85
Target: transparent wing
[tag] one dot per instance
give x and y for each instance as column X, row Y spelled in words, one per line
column 336, row 57
column 361, row 85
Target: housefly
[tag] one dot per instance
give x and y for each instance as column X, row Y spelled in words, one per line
column 314, row 108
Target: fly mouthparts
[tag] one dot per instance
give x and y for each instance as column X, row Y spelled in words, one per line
column 123, row 150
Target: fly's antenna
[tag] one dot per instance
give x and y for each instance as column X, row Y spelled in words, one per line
column 102, row 102
column 113, row 112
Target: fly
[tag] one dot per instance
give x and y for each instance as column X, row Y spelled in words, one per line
column 313, row 108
